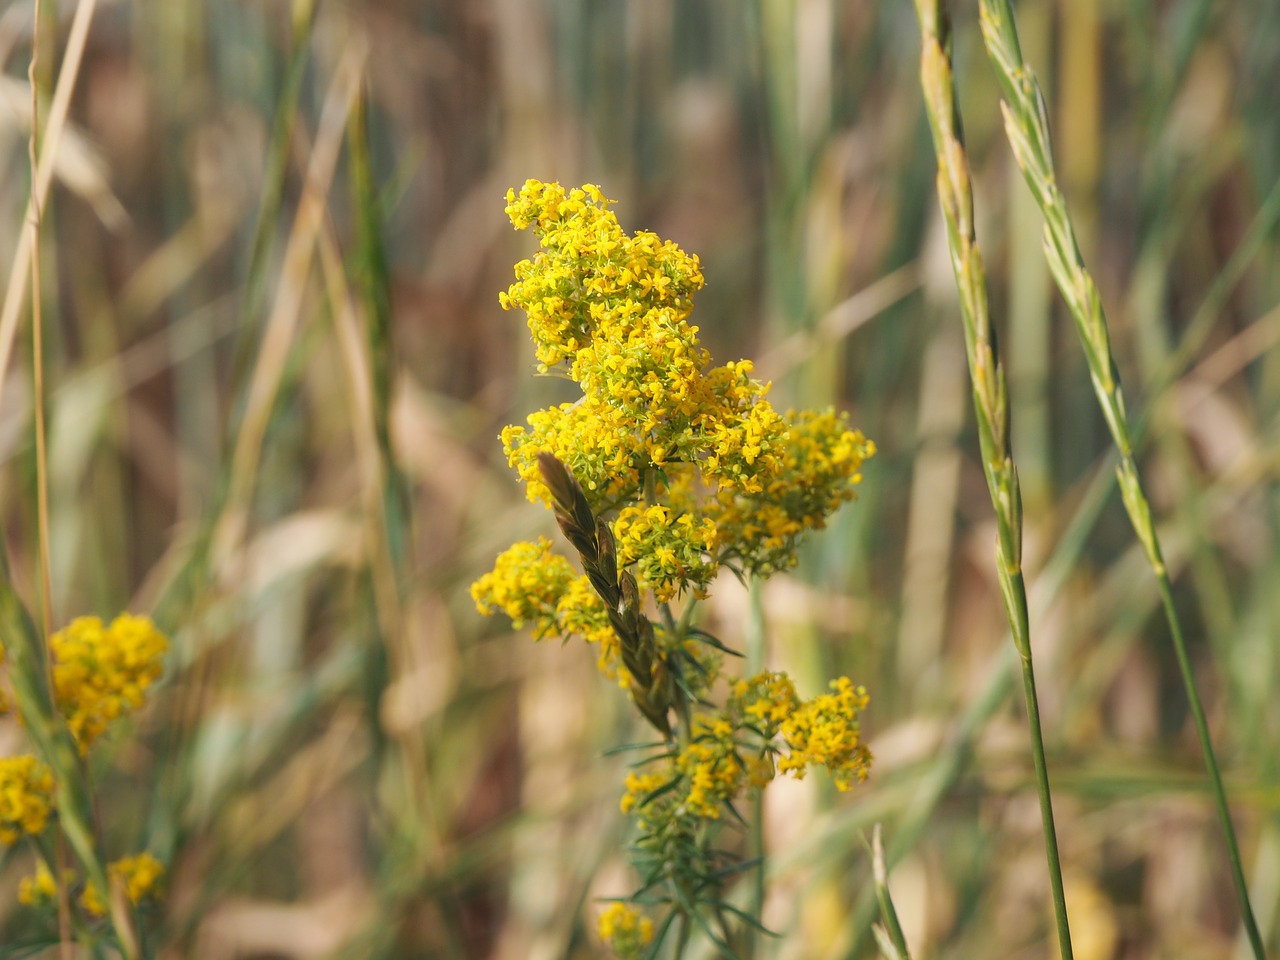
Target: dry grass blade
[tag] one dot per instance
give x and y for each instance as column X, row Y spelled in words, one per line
column 52, row 138
column 287, row 310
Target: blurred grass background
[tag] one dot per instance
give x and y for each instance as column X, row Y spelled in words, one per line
column 277, row 370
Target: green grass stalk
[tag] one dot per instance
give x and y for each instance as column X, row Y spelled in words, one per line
column 755, row 659
column 990, row 397
column 892, row 941
column 279, row 154
column 1027, row 127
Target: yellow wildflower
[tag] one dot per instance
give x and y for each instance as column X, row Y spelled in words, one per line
column 825, row 731
column 640, row 786
column 26, row 797
column 672, row 552
column 140, row 875
column 526, row 583
column 102, row 673
column 625, row 930
column 534, row 586
column 768, row 699
column 714, row 774
column 91, row 901
column 39, row 888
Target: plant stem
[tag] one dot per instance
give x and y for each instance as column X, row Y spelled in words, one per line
column 1027, row 127
column 990, row 397
column 888, row 913
column 755, row 637
column 42, row 462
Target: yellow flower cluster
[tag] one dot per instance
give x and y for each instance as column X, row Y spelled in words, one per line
column 611, row 311
column 684, row 467
column 820, row 466
column 527, row 583
column 625, row 930
column 102, row 673
column 26, row 797
column 766, row 700
column 608, row 463
column 640, row 788
column 587, row 266
column 825, row 731
column 670, row 550
column 534, row 586
column 141, row 876
column 729, row 749
column 39, row 889
column 713, row 771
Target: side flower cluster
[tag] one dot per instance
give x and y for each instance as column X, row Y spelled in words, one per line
column 764, row 729
column 627, row 932
column 540, row 589
column 101, row 673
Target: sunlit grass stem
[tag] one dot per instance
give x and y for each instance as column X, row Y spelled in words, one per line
column 990, row 396
column 1027, row 127
column 890, row 938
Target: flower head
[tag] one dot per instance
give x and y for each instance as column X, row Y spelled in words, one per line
column 825, row 731
column 535, row 586
column 140, row 875
column 611, row 311
column 625, row 930
column 26, row 797
column 101, row 673
column 665, row 469
column 714, row 773
column 40, row 889
column 671, row 551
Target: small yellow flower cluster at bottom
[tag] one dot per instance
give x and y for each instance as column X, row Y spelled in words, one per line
column 626, row 931
column 141, row 876
column 26, row 797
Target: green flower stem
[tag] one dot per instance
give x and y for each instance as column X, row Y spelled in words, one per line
column 990, row 396
column 1027, row 127
column 755, row 637
column 888, row 914
column 680, row 700
column 683, row 929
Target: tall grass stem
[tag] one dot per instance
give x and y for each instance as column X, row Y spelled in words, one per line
column 1027, row 127
column 990, row 397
